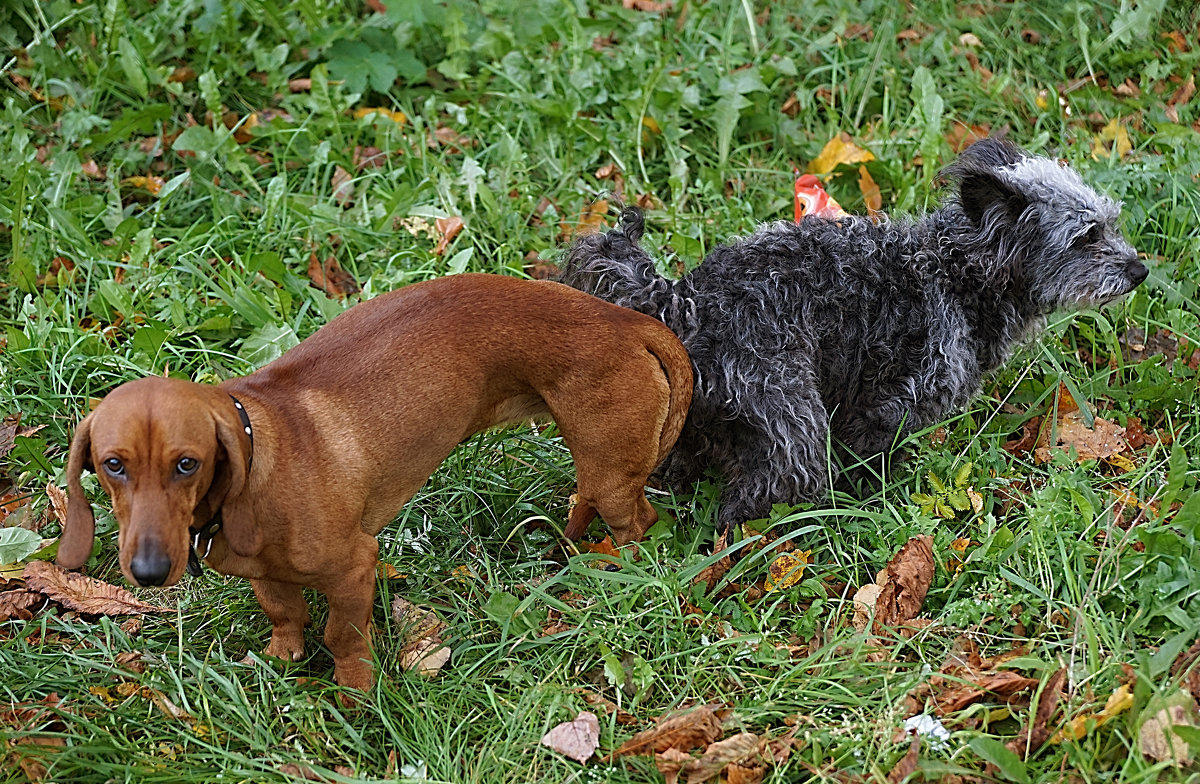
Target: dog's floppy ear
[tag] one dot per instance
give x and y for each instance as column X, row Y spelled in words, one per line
column 75, row 544
column 982, row 186
column 240, row 528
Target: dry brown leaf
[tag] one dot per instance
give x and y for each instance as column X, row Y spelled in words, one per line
column 609, row 171
column 424, row 649
column 1105, row 440
column 58, row 502
column 447, row 230
column 300, row 85
column 450, row 138
column 591, row 220
column 1156, row 736
column 20, row 604
column 864, row 605
column 608, row 706
column 743, row 747
column 1186, row 662
column 131, row 660
column 649, row 6
column 908, row 577
column 962, row 135
column 1033, row 737
column 328, row 276
column 1004, row 684
column 368, row 157
column 301, row 771
column 745, row 774
column 82, row 593
column 908, row 763
column 343, row 187
column 684, row 731
column 577, row 739
column 670, row 763
column 8, row 432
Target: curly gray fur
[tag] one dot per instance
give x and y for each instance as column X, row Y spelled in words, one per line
column 864, row 330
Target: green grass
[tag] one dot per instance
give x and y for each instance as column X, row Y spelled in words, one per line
column 207, row 279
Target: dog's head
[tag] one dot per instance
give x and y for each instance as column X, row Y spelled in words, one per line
column 167, row 452
column 1044, row 226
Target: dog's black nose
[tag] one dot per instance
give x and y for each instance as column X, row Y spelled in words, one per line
column 1137, row 272
column 150, row 567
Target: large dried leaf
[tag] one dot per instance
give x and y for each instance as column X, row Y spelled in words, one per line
column 577, row 739
column 343, row 187
column 20, row 604
column 683, row 731
column 1157, row 737
column 786, row 570
column 1033, row 737
column 908, row 763
column 1104, row 440
column 328, row 276
column 908, row 577
column 591, row 220
column 58, row 502
column 741, row 748
column 82, row 593
column 423, row 650
column 1003, row 684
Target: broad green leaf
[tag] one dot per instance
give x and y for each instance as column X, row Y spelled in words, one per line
column 17, row 544
column 1009, row 764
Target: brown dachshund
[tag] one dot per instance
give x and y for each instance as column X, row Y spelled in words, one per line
column 286, row 475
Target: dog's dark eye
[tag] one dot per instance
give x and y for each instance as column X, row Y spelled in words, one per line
column 187, row 466
column 114, row 467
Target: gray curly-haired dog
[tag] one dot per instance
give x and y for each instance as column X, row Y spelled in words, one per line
column 866, row 331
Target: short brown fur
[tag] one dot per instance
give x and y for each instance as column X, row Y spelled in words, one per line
column 351, row 423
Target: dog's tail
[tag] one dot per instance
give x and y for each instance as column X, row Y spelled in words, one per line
column 677, row 366
column 613, row 267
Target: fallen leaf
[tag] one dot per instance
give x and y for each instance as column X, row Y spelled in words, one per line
column 962, row 135
column 591, row 220
column 743, row 747
column 908, row 577
column 1157, row 738
column 1176, row 41
column 1004, row 683
column 609, row 171
column 670, row 763
column 447, row 229
column 649, row 6
column 400, row 118
column 1118, row 702
column 623, row 718
column 577, row 739
column 840, row 149
column 423, row 648
column 385, row 571
column 447, row 137
column 1186, row 662
column 368, row 158
column 58, row 502
column 300, row 85
column 84, row 594
column 1112, row 137
column 328, row 276
column 1105, row 440
column 683, row 731
column 20, row 604
column 1033, row 737
column 872, row 197
column 786, row 570
column 150, row 184
column 864, row 605
column 343, row 187
column 908, row 763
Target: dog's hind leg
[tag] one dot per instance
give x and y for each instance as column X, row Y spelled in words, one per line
column 777, row 454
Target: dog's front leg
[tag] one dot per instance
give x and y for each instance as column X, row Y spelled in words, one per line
column 351, row 597
column 288, row 612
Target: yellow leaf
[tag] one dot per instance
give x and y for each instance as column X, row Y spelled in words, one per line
column 397, row 117
column 1119, row 701
column 651, row 124
column 152, row 184
column 872, row 198
column 388, row 572
column 1112, row 136
column 840, row 149
column 786, row 570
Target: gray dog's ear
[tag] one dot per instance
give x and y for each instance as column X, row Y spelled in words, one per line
column 240, row 528
column 75, row 544
column 981, row 183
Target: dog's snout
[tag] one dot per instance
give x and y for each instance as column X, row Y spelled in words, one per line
column 150, row 566
column 1136, row 271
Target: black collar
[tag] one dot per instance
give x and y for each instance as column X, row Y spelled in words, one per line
column 206, row 532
